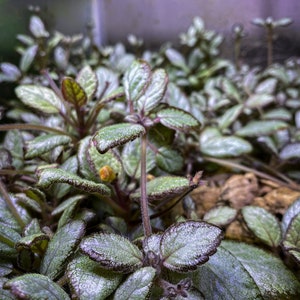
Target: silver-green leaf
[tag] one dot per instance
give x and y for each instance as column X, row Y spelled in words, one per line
column 40, row 98
column 113, row 252
column 259, row 128
column 45, row 143
column 36, row 287
column 272, row 277
column 137, row 286
column 188, row 244
column 116, row 135
column 61, row 246
column 212, row 143
column 220, row 215
column 164, row 187
column 136, row 79
column 177, row 119
column 263, row 224
column 49, row 176
column 88, row 81
column 88, row 280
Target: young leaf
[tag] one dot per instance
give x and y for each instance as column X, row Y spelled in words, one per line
column 35, row 286
column 89, row 281
column 220, row 215
column 212, row 143
column 177, row 119
column 289, row 215
column 176, row 58
column 116, row 135
column 113, row 252
column 37, row 27
column 137, row 286
column 136, row 79
column 73, row 92
column 272, row 277
column 47, row 177
column 40, row 98
column 164, row 187
column 263, row 224
column 60, row 247
column 186, row 245
column 154, row 92
column 87, row 79
column 10, row 72
column 259, row 128
column 45, row 143
column 28, row 57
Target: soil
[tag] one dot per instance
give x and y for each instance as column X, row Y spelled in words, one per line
column 238, row 191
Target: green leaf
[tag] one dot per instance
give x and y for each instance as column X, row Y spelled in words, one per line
column 177, row 119
column 6, row 267
column 131, row 158
column 259, row 100
column 188, row 244
column 60, row 247
column 267, row 86
column 212, row 143
column 289, row 215
column 136, row 79
column 37, row 243
column 13, row 142
column 137, row 286
column 36, row 287
column 263, row 224
column 66, row 203
column 290, row 151
column 271, row 276
column 97, row 161
column 220, row 215
column 108, row 82
column 47, row 177
column 89, row 281
column 68, row 215
column 45, row 143
column 278, row 114
column 37, row 27
column 230, row 90
column 73, row 92
column 6, row 217
column 116, row 135
column 164, row 187
column 291, row 239
column 28, row 57
column 154, row 92
column 8, row 238
column 230, row 116
column 258, row 128
column 225, row 277
column 87, row 79
column 40, row 98
column 169, row 160
column 61, row 189
column 176, row 59
column 113, row 252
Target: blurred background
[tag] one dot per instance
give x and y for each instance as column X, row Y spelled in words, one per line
column 156, row 21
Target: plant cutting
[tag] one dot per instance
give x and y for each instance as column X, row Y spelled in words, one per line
column 94, row 160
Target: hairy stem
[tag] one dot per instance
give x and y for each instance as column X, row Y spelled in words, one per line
column 143, row 183
column 11, row 204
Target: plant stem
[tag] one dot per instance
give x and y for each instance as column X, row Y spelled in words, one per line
column 270, row 45
column 11, row 205
column 143, row 184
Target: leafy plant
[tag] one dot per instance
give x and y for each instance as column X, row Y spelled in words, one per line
column 94, row 158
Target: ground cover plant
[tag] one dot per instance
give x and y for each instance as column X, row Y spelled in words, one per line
column 102, row 154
